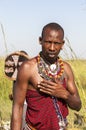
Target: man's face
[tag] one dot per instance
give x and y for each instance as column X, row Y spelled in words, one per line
column 52, row 42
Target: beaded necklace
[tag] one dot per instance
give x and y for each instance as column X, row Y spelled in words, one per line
column 49, row 72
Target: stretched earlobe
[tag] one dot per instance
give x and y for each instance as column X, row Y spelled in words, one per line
column 63, row 41
column 62, row 45
column 40, row 40
column 62, row 48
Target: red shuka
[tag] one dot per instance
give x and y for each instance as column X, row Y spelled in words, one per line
column 41, row 113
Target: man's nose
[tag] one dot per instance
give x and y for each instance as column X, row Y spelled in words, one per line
column 52, row 47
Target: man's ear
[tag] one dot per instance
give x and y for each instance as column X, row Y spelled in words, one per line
column 40, row 40
column 62, row 44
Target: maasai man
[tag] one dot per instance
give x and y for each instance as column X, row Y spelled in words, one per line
column 47, row 83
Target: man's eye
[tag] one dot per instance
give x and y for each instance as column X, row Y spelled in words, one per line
column 57, row 42
column 48, row 41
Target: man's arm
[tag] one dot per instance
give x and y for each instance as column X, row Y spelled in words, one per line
column 70, row 95
column 19, row 93
column 73, row 98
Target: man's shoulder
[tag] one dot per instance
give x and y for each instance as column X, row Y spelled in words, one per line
column 32, row 61
column 66, row 63
column 67, row 68
column 29, row 63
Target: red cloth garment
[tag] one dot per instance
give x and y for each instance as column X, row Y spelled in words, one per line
column 41, row 113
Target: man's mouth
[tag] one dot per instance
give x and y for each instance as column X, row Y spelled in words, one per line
column 51, row 54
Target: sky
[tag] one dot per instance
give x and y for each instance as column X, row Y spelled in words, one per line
column 21, row 23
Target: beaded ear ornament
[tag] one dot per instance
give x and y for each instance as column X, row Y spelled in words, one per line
column 50, row 71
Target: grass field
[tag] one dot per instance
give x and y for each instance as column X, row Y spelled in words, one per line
column 79, row 68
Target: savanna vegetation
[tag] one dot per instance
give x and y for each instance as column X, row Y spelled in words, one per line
column 76, row 120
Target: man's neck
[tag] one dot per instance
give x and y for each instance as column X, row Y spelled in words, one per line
column 47, row 60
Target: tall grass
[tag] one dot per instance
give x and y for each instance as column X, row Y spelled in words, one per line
column 5, row 90
column 79, row 70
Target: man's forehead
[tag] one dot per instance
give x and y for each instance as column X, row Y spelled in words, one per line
column 53, row 32
column 50, row 32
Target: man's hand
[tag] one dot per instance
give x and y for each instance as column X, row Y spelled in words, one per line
column 53, row 88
